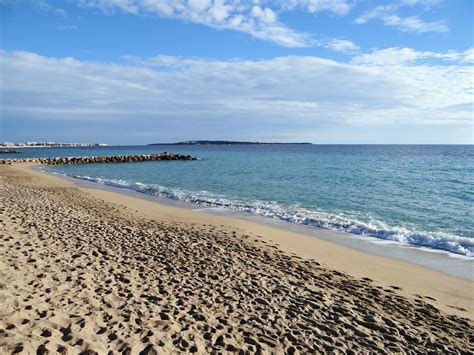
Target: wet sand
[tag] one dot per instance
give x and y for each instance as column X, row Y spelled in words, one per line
column 92, row 270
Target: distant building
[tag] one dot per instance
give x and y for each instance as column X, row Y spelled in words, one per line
column 51, row 144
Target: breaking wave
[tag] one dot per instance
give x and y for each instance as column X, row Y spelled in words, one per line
column 295, row 214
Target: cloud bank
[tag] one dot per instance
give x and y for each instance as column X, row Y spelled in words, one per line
column 403, row 56
column 283, row 94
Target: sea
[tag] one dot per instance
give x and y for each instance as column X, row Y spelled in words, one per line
column 416, row 195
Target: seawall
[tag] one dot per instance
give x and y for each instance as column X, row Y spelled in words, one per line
column 100, row 159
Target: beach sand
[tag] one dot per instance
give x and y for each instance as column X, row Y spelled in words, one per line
column 88, row 270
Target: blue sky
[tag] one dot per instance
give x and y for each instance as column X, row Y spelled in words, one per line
column 142, row 71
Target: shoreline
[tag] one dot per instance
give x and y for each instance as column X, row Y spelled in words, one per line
column 457, row 265
column 387, row 271
column 85, row 269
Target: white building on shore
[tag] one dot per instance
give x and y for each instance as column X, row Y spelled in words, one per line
column 50, row 144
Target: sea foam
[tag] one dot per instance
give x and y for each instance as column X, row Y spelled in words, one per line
column 295, row 214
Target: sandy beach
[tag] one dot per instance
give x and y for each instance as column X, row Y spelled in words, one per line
column 94, row 271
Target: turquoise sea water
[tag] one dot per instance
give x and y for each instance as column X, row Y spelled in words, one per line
column 418, row 195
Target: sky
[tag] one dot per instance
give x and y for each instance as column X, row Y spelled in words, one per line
column 320, row 71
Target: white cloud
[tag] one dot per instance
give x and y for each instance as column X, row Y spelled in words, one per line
column 404, row 56
column 257, row 18
column 388, row 15
column 199, row 5
column 414, row 24
column 243, row 16
column 338, row 7
column 190, row 95
column 44, row 5
column 341, row 45
column 468, row 56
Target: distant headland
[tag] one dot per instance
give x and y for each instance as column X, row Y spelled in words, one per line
column 207, row 142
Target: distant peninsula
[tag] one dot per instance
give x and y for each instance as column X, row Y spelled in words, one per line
column 206, row 142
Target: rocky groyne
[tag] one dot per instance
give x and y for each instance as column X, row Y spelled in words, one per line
column 9, row 151
column 100, row 159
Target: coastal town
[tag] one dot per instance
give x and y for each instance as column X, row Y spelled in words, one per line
column 48, row 144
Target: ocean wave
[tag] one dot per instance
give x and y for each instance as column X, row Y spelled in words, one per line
column 295, row 214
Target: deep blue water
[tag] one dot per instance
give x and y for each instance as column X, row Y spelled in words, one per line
column 420, row 195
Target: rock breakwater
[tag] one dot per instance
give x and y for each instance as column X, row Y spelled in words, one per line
column 9, row 151
column 100, row 159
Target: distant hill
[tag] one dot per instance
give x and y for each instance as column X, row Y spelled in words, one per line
column 205, row 142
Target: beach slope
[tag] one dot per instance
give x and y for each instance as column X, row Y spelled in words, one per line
column 91, row 270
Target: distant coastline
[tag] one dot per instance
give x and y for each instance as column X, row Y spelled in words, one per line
column 213, row 142
column 48, row 145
